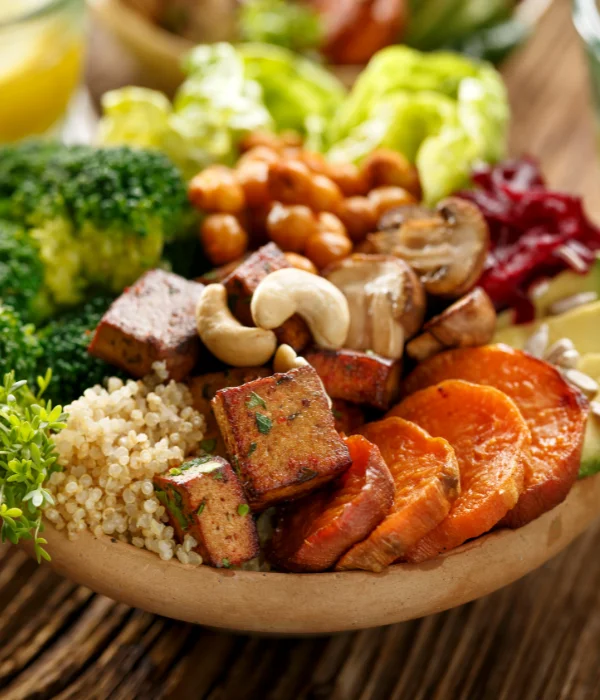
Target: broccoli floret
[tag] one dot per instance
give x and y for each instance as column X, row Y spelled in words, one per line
column 19, row 346
column 100, row 217
column 64, row 343
column 21, row 272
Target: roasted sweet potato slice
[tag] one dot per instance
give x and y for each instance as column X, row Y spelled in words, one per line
column 554, row 411
column 426, row 483
column 490, row 439
column 313, row 533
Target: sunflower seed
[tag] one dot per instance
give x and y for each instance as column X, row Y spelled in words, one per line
column 563, row 305
column 563, row 354
column 582, row 381
column 538, row 342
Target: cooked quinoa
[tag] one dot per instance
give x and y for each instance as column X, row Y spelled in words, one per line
column 115, row 441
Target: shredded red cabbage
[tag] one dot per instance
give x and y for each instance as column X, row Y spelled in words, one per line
column 535, row 232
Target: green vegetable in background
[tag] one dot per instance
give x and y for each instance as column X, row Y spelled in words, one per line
column 64, row 342
column 95, row 219
column 229, row 92
column 443, row 111
column 19, row 346
column 280, row 22
column 27, row 458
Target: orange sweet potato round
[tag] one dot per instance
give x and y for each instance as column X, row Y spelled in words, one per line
column 426, row 482
column 312, row 534
column 490, row 438
column 554, row 411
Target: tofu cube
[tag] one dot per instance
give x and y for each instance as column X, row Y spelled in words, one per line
column 203, row 390
column 244, row 280
column 153, row 320
column 358, row 377
column 204, row 499
column 280, row 436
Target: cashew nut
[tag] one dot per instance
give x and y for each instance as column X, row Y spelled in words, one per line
column 286, row 359
column 321, row 304
column 225, row 337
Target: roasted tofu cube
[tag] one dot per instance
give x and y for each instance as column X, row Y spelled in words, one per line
column 204, row 499
column 203, row 390
column 358, row 377
column 349, row 417
column 154, row 320
column 244, row 280
column 280, row 436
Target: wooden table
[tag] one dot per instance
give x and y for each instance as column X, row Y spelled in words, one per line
column 538, row 638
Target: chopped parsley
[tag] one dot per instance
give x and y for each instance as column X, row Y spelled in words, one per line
column 255, row 400
column 201, row 508
column 218, row 475
column 252, row 449
column 225, row 563
column 208, row 445
column 243, row 509
column 175, row 471
column 263, row 423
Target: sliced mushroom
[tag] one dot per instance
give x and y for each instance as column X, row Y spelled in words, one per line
column 394, row 218
column 386, row 301
column 447, row 250
column 469, row 322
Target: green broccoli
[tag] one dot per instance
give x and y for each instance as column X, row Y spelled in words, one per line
column 64, row 343
column 19, row 346
column 99, row 217
column 21, row 272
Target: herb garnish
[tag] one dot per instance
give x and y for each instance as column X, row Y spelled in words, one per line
column 243, row 509
column 255, row 400
column 208, row 445
column 252, row 449
column 175, row 471
column 225, row 563
column 201, row 508
column 263, row 423
column 337, row 414
column 306, row 474
column 218, row 475
column 27, row 457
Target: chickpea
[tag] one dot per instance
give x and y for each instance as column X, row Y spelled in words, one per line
column 329, row 222
column 291, row 226
column 291, row 182
column 253, row 176
column 384, row 198
column 260, row 153
column 223, row 238
column 359, row 216
column 325, row 194
column 349, row 178
column 216, row 189
column 290, row 138
column 385, row 167
column 324, row 248
column 301, row 263
column 260, row 138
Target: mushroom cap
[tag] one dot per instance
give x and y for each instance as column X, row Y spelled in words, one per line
column 469, row 322
column 386, row 301
column 447, row 250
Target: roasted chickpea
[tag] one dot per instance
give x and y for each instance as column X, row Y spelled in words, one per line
column 301, row 263
column 325, row 194
column 290, row 226
column 253, row 176
column 329, row 222
column 260, row 138
column 349, row 178
column 291, row 182
column 223, row 238
column 324, row 248
column 260, row 153
column 385, row 167
column 359, row 216
column 290, row 138
column 216, row 189
column 384, row 198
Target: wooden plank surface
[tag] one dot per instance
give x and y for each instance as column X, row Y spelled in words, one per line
column 538, row 638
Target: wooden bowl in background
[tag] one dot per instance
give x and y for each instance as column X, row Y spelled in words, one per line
column 296, row 604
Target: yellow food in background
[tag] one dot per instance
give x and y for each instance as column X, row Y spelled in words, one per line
column 40, row 64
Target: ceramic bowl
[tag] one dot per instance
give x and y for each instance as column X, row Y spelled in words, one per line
column 297, row 604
